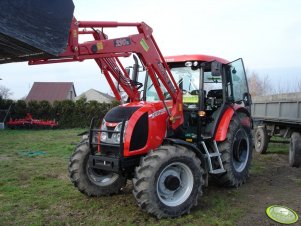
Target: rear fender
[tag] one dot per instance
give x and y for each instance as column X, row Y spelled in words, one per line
column 222, row 129
column 243, row 115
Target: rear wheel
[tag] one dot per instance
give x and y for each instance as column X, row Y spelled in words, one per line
column 168, row 181
column 91, row 181
column 295, row 150
column 236, row 154
column 261, row 140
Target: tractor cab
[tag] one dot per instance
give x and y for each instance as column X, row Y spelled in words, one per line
column 209, row 86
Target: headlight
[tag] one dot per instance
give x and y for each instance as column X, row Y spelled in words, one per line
column 112, row 137
column 116, row 136
column 103, row 135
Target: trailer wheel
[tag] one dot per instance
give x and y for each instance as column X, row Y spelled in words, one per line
column 261, row 140
column 168, row 181
column 90, row 181
column 295, row 150
column 236, row 154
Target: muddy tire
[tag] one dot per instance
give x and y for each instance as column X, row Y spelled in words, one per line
column 90, row 181
column 168, row 181
column 261, row 140
column 236, row 154
column 295, row 150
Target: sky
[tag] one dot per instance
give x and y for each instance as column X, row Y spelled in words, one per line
column 266, row 34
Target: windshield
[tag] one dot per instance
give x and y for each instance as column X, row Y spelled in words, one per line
column 151, row 93
column 188, row 81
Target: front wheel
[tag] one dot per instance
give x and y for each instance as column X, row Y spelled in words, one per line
column 168, row 181
column 91, row 181
column 236, row 154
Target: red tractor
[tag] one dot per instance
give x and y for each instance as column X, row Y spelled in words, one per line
column 189, row 119
column 169, row 166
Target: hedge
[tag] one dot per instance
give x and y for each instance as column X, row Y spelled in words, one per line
column 68, row 113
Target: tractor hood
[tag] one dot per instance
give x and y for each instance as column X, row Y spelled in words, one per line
column 120, row 113
column 146, row 125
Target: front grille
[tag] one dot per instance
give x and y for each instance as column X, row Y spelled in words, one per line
column 109, row 128
column 110, row 151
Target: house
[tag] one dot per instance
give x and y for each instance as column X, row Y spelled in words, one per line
column 51, row 91
column 93, row 94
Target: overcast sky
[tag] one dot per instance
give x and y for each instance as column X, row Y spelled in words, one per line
column 266, row 34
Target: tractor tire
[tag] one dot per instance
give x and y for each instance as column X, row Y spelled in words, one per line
column 295, row 150
column 90, row 181
column 168, row 181
column 236, row 154
column 261, row 140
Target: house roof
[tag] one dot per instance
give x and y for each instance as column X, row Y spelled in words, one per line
column 106, row 95
column 50, row 91
column 93, row 94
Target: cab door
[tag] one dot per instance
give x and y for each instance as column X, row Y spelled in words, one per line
column 238, row 91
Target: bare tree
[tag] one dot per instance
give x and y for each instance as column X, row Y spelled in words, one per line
column 287, row 87
column 258, row 86
column 298, row 88
column 5, row 92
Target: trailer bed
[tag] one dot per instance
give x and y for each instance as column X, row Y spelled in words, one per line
column 282, row 108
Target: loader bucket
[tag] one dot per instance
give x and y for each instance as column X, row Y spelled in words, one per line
column 31, row 29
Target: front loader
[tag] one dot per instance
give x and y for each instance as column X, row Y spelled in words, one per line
column 189, row 119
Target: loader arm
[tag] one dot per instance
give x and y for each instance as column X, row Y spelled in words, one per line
column 106, row 53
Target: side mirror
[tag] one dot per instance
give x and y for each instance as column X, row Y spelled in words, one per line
column 216, row 68
column 247, row 99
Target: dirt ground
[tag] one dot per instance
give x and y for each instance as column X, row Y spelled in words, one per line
column 272, row 182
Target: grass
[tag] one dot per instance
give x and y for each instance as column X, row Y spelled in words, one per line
column 37, row 191
column 278, row 145
column 275, row 147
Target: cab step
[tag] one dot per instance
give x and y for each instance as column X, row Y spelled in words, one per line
column 213, row 155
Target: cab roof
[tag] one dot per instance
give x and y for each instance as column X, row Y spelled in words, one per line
column 197, row 57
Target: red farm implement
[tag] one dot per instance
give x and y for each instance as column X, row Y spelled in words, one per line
column 30, row 123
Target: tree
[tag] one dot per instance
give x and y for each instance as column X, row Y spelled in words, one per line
column 258, row 86
column 288, row 87
column 5, row 92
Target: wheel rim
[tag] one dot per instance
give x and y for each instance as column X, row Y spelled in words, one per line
column 240, row 150
column 175, row 184
column 258, row 140
column 101, row 177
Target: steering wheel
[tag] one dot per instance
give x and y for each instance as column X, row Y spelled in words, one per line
column 195, row 92
column 184, row 91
